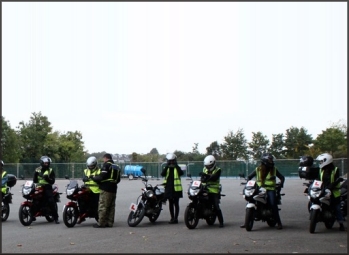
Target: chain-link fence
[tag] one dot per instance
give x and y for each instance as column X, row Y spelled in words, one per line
column 230, row 168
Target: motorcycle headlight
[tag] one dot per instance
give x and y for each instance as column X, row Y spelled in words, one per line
column 314, row 193
column 249, row 192
column 149, row 193
column 70, row 192
column 193, row 192
column 26, row 191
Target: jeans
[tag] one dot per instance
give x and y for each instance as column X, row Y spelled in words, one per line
column 271, row 197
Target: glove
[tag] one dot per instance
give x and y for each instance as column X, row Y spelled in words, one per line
column 91, row 176
column 272, row 178
column 201, row 173
column 46, row 177
column 340, row 179
column 36, row 173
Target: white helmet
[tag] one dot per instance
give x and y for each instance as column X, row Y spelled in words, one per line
column 91, row 162
column 209, row 162
column 324, row 159
column 171, row 159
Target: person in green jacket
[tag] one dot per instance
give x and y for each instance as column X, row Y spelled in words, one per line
column 4, row 179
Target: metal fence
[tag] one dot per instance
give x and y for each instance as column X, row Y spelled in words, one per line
column 230, row 168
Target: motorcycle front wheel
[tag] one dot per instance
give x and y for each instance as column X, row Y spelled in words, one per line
column 5, row 211
column 249, row 218
column 70, row 216
column 313, row 220
column 135, row 217
column 24, row 215
column 190, row 218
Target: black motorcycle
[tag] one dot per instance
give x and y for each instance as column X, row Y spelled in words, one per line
column 7, row 197
column 200, row 206
column 148, row 204
column 257, row 207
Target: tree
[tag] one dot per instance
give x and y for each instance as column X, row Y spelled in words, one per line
column 296, row 142
column 154, row 151
column 277, row 147
column 9, row 143
column 71, row 147
column 332, row 140
column 215, row 150
column 235, row 146
column 258, row 145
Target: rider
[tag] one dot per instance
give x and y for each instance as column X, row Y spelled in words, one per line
column 4, row 178
column 91, row 170
column 329, row 175
column 266, row 175
column 211, row 176
column 45, row 176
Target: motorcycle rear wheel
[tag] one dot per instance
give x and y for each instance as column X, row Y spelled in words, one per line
column 271, row 223
column 313, row 220
column 70, row 216
column 190, row 218
column 5, row 211
column 155, row 216
column 24, row 215
column 210, row 220
column 249, row 218
column 134, row 218
column 329, row 224
column 50, row 217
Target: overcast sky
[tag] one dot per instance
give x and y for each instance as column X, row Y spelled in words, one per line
column 132, row 76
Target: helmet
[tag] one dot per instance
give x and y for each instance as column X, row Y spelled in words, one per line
column 209, row 162
column 171, row 159
column 44, row 160
column 91, row 162
column 267, row 159
column 324, row 159
column 306, row 161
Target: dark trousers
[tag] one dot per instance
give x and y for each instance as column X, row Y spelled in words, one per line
column 173, row 206
column 215, row 200
column 271, row 197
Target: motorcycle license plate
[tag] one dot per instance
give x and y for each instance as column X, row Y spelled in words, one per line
column 317, row 184
column 133, row 207
column 28, row 183
column 196, row 183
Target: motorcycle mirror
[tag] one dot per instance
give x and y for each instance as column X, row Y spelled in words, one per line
column 66, row 177
column 188, row 175
column 143, row 171
column 242, row 175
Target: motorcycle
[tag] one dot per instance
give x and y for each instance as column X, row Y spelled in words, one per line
column 200, row 207
column 148, row 204
column 320, row 206
column 257, row 207
column 7, row 197
column 35, row 204
column 79, row 197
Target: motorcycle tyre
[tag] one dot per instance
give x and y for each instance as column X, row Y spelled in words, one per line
column 73, row 216
column 313, row 220
column 141, row 212
column 211, row 220
column 190, row 211
column 21, row 215
column 50, row 217
column 249, row 218
column 5, row 211
column 329, row 224
column 155, row 216
column 271, row 223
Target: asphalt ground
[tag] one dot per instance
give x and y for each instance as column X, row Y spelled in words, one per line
column 161, row 237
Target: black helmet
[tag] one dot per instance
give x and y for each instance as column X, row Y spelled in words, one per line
column 267, row 159
column 306, row 161
column 43, row 160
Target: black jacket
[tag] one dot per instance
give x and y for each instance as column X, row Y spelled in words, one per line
column 106, row 172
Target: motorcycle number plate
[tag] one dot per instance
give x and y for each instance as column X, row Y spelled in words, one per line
column 196, row 183
column 250, row 183
column 133, row 207
column 28, row 183
column 317, row 184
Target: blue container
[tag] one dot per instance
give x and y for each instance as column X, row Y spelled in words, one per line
column 133, row 170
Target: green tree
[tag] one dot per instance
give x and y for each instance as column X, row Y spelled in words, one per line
column 258, row 145
column 235, row 146
column 71, row 147
column 277, row 147
column 215, row 150
column 296, row 142
column 332, row 140
column 9, row 143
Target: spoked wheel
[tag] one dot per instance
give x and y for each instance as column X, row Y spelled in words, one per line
column 211, row 220
column 5, row 211
column 249, row 218
column 50, row 217
column 24, row 215
column 313, row 220
column 135, row 217
column 156, row 215
column 70, row 216
column 190, row 218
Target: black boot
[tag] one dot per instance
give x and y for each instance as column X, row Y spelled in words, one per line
column 220, row 218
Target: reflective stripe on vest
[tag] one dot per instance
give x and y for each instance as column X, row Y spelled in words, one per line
column 41, row 180
column 177, row 181
column 91, row 183
column 268, row 184
column 112, row 177
column 3, row 187
column 336, row 190
column 213, row 185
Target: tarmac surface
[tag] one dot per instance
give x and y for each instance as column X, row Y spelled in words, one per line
column 161, row 237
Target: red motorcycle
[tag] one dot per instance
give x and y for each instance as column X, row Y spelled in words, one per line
column 80, row 197
column 35, row 204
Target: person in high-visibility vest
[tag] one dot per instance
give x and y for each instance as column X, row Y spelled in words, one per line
column 4, row 179
column 211, row 176
column 45, row 176
column 91, row 171
column 266, row 175
column 329, row 175
column 108, row 179
column 173, row 186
